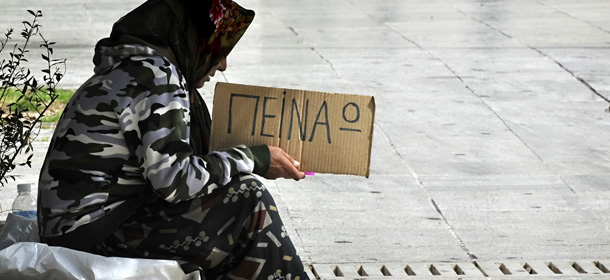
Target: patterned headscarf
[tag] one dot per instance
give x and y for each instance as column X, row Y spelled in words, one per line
column 195, row 35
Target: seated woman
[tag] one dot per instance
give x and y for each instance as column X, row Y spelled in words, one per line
column 128, row 172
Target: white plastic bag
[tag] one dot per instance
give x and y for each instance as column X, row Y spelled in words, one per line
column 18, row 229
column 21, row 257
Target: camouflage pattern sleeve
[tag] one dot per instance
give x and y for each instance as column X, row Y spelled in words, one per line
column 155, row 124
column 126, row 131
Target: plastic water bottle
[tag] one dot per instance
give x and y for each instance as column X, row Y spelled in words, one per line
column 24, row 204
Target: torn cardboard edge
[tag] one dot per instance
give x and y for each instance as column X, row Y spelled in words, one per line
column 325, row 132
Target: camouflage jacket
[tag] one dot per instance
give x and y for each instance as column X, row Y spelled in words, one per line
column 125, row 133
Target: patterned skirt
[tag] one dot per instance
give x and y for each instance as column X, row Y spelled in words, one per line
column 234, row 233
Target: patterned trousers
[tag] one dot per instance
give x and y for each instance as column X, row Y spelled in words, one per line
column 235, row 233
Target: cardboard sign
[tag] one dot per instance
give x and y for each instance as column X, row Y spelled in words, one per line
column 325, row 132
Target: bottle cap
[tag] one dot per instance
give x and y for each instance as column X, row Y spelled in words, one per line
column 24, row 187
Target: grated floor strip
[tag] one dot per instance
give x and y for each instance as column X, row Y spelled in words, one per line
column 540, row 269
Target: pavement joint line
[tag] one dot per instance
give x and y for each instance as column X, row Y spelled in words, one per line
column 518, row 269
column 452, row 231
column 578, row 78
column 574, row 17
column 317, row 52
column 486, row 24
column 471, row 90
column 421, row 186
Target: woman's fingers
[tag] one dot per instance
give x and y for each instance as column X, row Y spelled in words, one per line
column 283, row 165
column 290, row 169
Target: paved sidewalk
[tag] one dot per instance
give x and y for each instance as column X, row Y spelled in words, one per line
column 492, row 130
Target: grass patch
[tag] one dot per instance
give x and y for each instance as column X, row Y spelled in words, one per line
column 53, row 113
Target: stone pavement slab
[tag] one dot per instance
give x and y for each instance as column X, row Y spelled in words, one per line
column 491, row 135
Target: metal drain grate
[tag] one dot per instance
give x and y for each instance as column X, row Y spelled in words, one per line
column 555, row 269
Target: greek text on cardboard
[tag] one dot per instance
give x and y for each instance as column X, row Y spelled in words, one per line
column 325, row 132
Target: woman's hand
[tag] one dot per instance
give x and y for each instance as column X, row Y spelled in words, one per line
column 283, row 166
